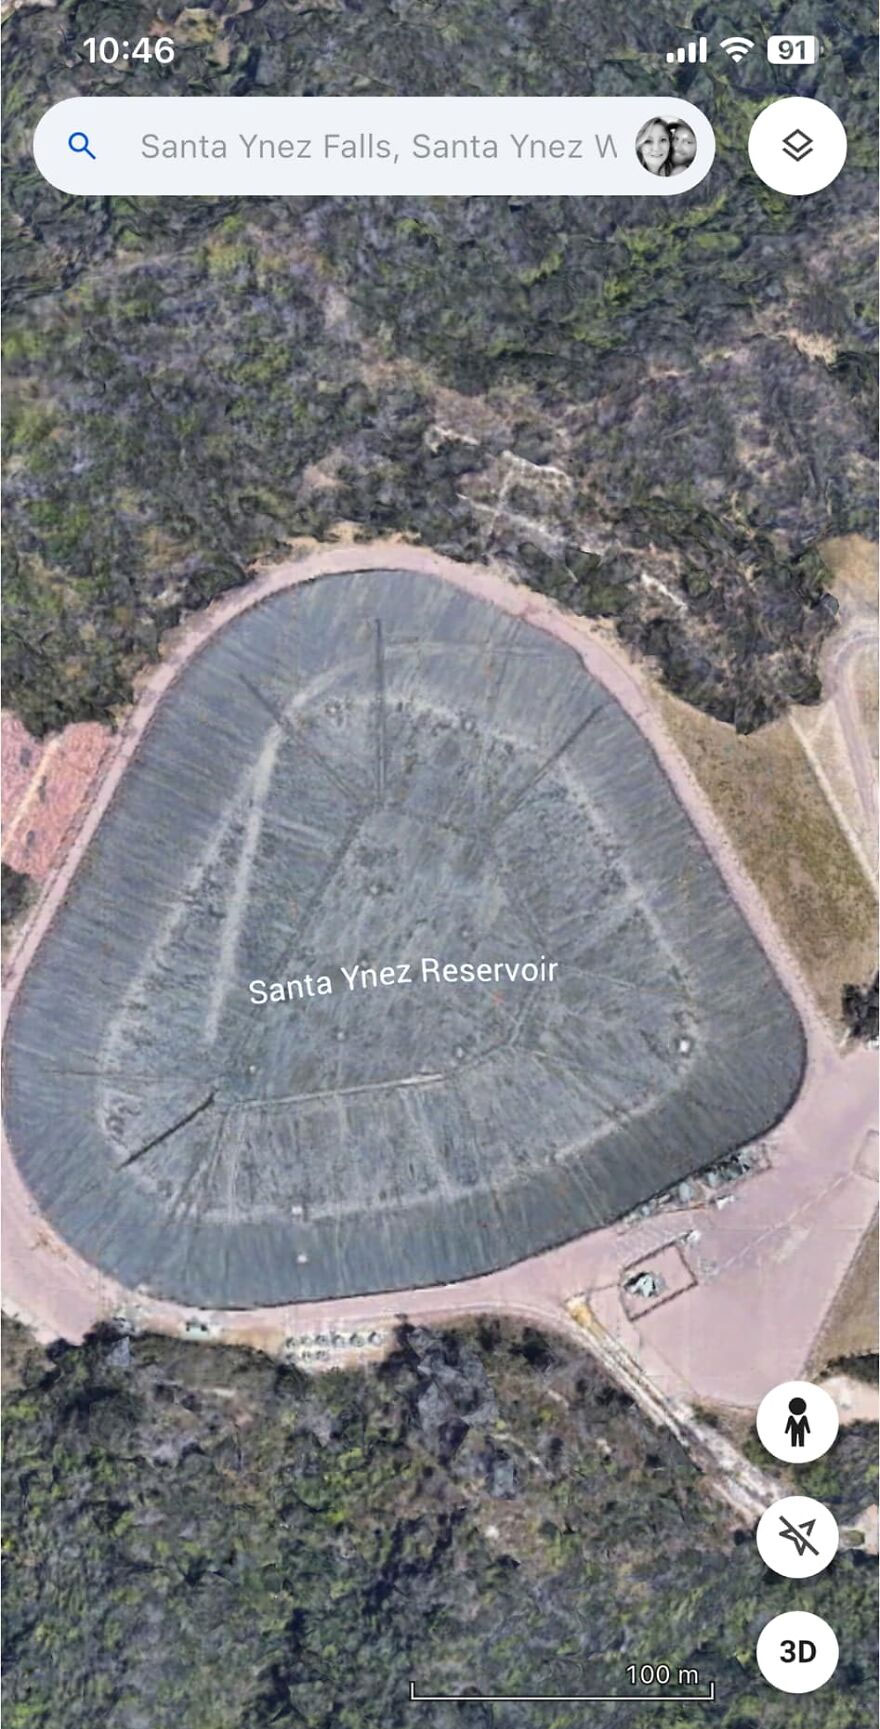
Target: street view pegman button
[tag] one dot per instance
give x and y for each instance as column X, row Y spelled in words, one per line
column 797, row 1422
column 797, row 146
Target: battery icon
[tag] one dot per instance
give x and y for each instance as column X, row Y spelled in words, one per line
column 793, row 50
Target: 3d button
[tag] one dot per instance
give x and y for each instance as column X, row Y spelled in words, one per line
column 797, row 1652
column 797, row 1422
column 797, row 146
column 797, row 1537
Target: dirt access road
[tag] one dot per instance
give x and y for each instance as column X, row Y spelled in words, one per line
column 761, row 1263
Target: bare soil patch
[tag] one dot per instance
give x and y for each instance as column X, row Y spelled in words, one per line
column 787, row 837
column 852, row 561
column 850, row 1329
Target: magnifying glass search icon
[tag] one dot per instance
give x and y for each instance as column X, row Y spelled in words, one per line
column 78, row 142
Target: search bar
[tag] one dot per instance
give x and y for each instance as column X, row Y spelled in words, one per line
column 390, row 146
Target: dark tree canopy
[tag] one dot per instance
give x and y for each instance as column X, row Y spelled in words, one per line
column 861, row 1009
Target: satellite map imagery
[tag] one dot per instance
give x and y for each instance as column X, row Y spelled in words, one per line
column 439, row 865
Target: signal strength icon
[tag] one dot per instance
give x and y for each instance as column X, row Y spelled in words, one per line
column 692, row 51
column 737, row 47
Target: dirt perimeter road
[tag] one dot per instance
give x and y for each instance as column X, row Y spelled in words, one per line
column 762, row 1263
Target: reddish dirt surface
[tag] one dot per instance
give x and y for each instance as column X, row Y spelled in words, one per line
column 45, row 791
column 767, row 1261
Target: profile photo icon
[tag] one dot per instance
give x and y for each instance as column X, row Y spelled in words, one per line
column 666, row 146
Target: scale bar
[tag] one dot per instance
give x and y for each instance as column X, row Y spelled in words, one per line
column 561, row 1698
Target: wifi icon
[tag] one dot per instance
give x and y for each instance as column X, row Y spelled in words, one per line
column 737, row 47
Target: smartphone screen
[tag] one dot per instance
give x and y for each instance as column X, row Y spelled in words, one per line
column 439, row 866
